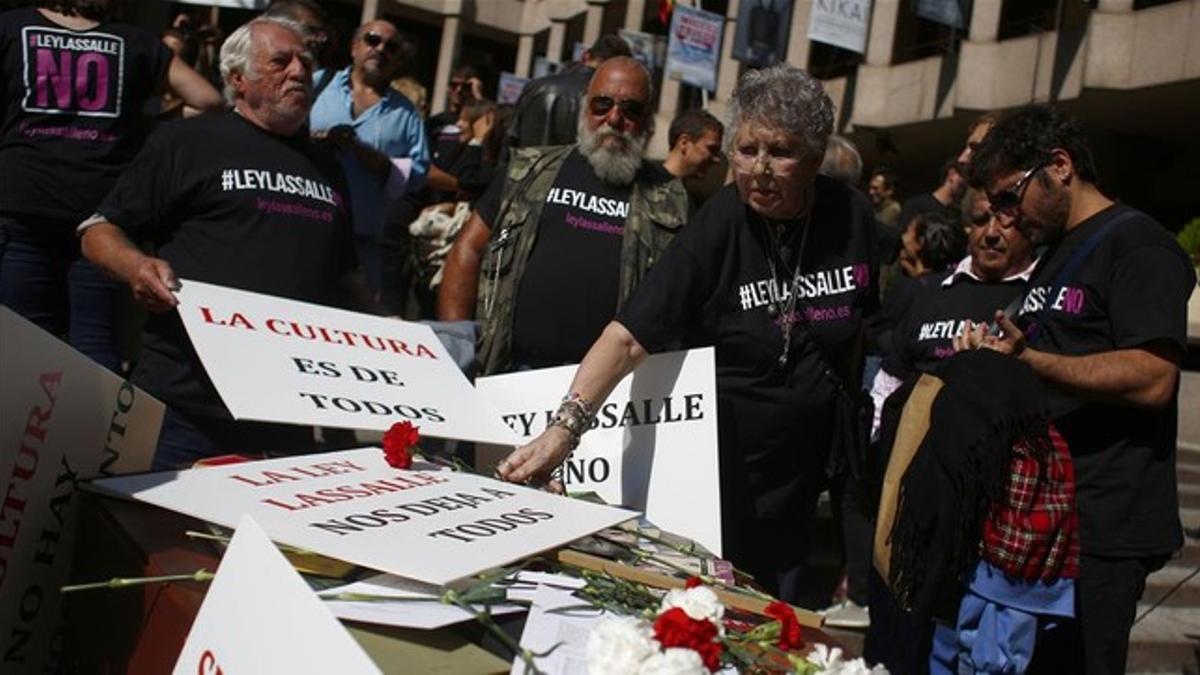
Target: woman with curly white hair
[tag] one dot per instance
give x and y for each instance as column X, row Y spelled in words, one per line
column 776, row 271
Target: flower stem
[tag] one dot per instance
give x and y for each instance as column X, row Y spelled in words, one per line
column 200, row 575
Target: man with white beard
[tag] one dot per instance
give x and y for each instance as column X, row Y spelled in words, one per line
column 554, row 248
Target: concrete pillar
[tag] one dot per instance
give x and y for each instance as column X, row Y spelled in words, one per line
column 634, row 11
column 727, row 69
column 985, row 21
column 447, row 55
column 1116, row 6
column 593, row 21
column 798, row 42
column 554, row 45
column 370, row 11
column 524, row 56
column 882, row 36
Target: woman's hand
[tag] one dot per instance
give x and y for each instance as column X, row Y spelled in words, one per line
column 534, row 464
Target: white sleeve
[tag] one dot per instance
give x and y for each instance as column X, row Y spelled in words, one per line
column 882, row 386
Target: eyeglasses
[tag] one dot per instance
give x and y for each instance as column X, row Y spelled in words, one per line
column 775, row 159
column 631, row 109
column 374, row 40
column 1006, row 202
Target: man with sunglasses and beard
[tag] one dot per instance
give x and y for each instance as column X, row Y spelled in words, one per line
column 378, row 131
column 1103, row 324
column 554, row 248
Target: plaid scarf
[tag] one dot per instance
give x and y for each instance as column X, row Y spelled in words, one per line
column 1032, row 532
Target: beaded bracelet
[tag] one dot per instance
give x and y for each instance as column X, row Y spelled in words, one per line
column 575, row 415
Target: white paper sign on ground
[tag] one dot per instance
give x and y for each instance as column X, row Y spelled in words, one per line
column 654, row 446
column 429, row 525
column 62, row 418
column 415, row 605
column 280, row 360
column 842, row 23
column 553, row 621
column 260, row 617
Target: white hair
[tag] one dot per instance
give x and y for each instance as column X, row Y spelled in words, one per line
column 614, row 167
column 236, row 50
column 786, row 97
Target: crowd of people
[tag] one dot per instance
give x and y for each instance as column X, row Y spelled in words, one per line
column 984, row 375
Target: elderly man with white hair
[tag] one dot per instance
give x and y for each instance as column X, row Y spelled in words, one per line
column 244, row 200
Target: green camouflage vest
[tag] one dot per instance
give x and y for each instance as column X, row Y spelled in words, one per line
column 658, row 207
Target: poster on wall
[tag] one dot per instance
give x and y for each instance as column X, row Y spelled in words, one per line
column 953, row 13
column 510, row 88
column 841, row 23
column 694, row 47
column 762, row 32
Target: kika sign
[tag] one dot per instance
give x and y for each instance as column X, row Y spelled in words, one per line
column 259, row 616
column 281, row 360
column 62, row 418
column 652, row 446
column 429, row 525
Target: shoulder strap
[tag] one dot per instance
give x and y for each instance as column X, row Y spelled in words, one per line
column 326, row 78
column 1078, row 256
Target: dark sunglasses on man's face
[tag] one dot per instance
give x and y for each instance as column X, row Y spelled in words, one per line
column 375, row 39
column 1007, row 201
column 630, row 109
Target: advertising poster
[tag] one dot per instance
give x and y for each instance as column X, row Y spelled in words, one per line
column 694, row 47
column 841, row 23
column 762, row 32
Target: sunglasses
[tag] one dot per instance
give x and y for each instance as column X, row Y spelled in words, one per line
column 374, row 40
column 630, row 109
column 1007, row 201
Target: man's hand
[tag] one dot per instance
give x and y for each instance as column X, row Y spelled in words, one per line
column 153, row 284
column 1011, row 340
column 534, row 464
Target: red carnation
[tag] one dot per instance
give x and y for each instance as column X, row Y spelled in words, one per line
column 674, row 628
column 693, row 582
column 790, row 636
column 398, row 443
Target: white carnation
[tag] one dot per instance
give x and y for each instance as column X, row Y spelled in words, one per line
column 831, row 661
column 699, row 603
column 674, row 661
column 618, row 646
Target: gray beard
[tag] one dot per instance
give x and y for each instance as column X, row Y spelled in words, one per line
column 613, row 167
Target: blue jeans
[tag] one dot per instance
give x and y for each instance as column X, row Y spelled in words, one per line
column 44, row 279
column 185, row 439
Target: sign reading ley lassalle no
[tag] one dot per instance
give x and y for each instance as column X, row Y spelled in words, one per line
column 280, row 360
column 72, row 73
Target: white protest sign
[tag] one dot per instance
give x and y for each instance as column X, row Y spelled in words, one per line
column 62, row 418
column 694, row 46
column 417, row 605
column 281, row 360
column 653, row 446
column 842, row 23
column 259, row 616
column 429, row 525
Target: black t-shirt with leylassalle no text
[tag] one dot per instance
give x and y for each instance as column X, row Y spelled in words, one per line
column 225, row 202
column 713, row 286
column 571, row 283
column 72, row 104
column 925, row 334
column 1130, row 291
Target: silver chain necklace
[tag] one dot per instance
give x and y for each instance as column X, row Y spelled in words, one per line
column 785, row 315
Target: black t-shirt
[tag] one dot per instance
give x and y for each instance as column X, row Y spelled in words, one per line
column 713, row 286
column 918, row 205
column 228, row 203
column 571, row 283
column 1131, row 290
column 72, row 111
column 925, row 334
